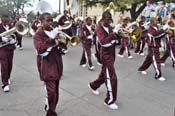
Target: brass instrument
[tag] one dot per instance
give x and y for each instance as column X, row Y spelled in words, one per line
column 171, row 31
column 110, row 7
column 64, row 38
column 133, row 35
column 74, row 40
column 21, row 27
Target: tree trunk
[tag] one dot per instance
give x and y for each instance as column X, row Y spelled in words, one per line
column 134, row 13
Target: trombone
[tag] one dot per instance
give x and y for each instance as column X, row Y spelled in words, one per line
column 21, row 27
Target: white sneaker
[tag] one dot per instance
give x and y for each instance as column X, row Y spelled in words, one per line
column 112, row 106
column 20, row 48
column 65, row 51
column 161, row 79
column 121, row 56
column 95, row 92
column 142, row 54
column 83, row 65
column 143, row 72
column 6, row 88
column 91, row 68
column 130, row 57
column 162, row 64
column 17, row 46
column 99, row 63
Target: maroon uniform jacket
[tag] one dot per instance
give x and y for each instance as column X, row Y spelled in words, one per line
column 144, row 31
column 84, row 33
column 154, row 36
column 170, row 40
column 49, row 59
column 107, row 41
column 124, row 26
column 7, row 47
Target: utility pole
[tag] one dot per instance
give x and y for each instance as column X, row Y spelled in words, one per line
column 59, row 6
column 18, row 7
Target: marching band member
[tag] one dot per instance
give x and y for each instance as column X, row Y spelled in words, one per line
column 97, row 49
column 36, row 24
column 49, row 61
column 142, row 40
column 97, row 45
column 62, row 21
column 170, row 43
column 107, row 39
column 86, row 36
column 125, row 41
column 153, row 57
column 6, row 53
column 18, row 36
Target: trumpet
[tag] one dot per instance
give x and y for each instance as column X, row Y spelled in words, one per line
column 21, row 27
column 63, row 37
column 74, row 40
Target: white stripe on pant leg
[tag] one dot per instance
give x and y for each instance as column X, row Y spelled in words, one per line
column 109, row 87
column 46, row 97
column 86, row 57
column 155, row 65
column 126, row 50
column 172, row 55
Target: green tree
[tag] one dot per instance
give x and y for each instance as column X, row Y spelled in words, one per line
column 134, row 6
column 13, row 7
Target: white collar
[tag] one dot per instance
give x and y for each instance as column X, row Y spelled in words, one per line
column 89, row 27
column 6, row 27
column 48, row 33
column 106, row 28
column 155, row 28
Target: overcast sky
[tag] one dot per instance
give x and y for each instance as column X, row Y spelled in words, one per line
column 54, row 4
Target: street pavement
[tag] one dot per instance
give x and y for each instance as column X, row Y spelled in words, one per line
column 138, row 95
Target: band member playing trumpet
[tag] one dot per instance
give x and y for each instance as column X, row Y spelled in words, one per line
column 107, row 39
column 125, row 41
column 36, row 24
column 142, row 40
column 170, row 43
column 86, row 35
column 6, row 53
column 153, row 57
column 66, row 18
column 49, row 61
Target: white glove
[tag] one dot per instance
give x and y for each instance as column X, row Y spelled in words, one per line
column 12, row 41
column 165, row 27
column 117, row 28
column 146, row 27
column 5, row 39
column 55, row 32
column 58, row 30
column 38, row 25
column 52, row 34
column 90, row 37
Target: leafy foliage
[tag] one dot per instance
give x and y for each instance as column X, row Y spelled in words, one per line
column 134, row 6
column 13, row 7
